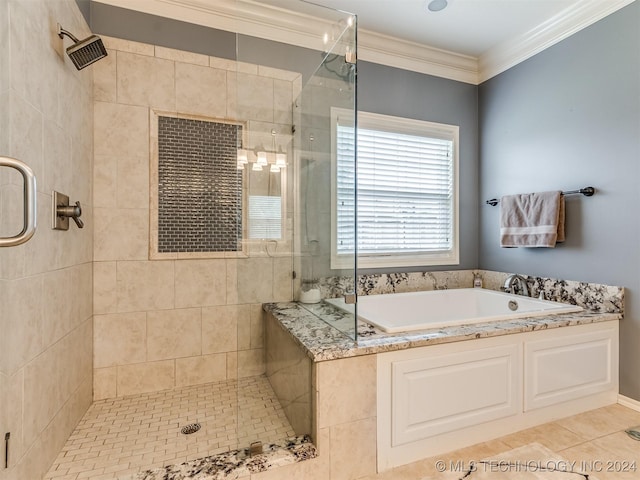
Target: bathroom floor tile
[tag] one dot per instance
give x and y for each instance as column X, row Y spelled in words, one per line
column 120, row 436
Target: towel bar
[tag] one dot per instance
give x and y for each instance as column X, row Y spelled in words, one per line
column 586, row 191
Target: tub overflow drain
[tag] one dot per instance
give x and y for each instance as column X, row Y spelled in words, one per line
column 191, row 428
column 513, row 305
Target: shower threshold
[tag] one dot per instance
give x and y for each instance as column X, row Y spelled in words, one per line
column 140, row 436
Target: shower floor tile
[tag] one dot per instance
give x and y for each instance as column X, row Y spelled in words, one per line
column 118, row 437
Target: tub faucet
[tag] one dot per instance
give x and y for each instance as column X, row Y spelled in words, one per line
column 510, row 285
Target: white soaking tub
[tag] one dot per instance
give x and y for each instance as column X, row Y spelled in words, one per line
column 404, row 312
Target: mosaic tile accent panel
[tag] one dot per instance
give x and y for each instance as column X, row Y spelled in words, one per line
column 199, row 188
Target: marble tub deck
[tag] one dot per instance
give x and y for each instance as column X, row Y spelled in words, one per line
column 329, row 340
column 236, row 463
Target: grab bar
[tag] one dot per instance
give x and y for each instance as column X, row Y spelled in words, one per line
column 29, row 190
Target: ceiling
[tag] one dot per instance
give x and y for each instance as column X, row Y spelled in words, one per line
column 469, row 41
column 469, row 27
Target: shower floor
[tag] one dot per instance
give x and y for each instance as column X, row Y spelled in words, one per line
column 121, row 436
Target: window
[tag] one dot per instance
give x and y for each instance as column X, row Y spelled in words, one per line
column 265, row 217
column 407, row 191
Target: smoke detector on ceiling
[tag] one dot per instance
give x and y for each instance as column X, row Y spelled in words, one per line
column 436, row 5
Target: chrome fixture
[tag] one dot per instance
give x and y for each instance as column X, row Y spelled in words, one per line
column 586, row 191
column 29, row 192
column 84, row 52
column 516, row 284
column 62, row 212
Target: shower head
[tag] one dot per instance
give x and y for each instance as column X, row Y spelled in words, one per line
column 84, row 52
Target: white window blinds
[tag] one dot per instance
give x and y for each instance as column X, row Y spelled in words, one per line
column 406, row 190
column 265, row 217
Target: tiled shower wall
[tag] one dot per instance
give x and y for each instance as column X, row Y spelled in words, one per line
column 46, row 117
column 182, row 320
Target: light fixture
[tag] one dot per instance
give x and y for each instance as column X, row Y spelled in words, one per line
column 259, row 157
column 437, row 5
column 262, row 158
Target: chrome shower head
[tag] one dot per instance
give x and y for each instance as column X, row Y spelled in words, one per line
column 84, row 52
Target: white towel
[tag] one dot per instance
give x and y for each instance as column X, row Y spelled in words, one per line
column 532, row 220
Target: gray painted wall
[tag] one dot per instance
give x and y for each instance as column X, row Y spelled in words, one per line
column 567, row 118
column 392, row 91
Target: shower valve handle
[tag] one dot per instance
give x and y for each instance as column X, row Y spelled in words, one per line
column 71, row 211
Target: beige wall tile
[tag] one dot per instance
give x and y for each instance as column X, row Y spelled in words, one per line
column 222, row 63
column 46, row 337
column 58, row 162
column 104, row 383
column 220, row 327
column 251, row 363
column 277, row 73
column 104, row 78
column 282, row 102
column 62, row 313
column 200, row 282
column 174, row 334
column 121, row 234
column 282, row 280
column 145, row 286
column 255, row 97
column 232, row 365
column 45, row 391
column 347, row 390
column 26, row 133
column 11, row 399
column 257, row 326
column 119, row 339
column 127, row 45
column 133, row 182
column 105, row 297
column 21, row 339
column 134, row 88
column 255, row 280
column 232, row 94
column 181, row 56
column 244, row 328
column 353, row 449
column 232, row 281
column 105, row 181
column 199, row 370
column 121, row 130
column 145, row 377
column 201, row 90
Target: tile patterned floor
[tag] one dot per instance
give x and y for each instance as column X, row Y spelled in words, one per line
column 595, row 440
column 117, row 437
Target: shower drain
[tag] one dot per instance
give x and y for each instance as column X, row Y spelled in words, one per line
column 191, row 428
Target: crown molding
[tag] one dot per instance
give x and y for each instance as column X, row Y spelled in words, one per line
column 249, row 17
column 394, row 52
column 571, row 20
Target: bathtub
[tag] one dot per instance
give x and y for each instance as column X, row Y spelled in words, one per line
column 404, row 312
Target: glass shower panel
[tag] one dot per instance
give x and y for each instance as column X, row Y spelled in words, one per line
column 260, row 98
column 325, row 235
column 274, row 163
